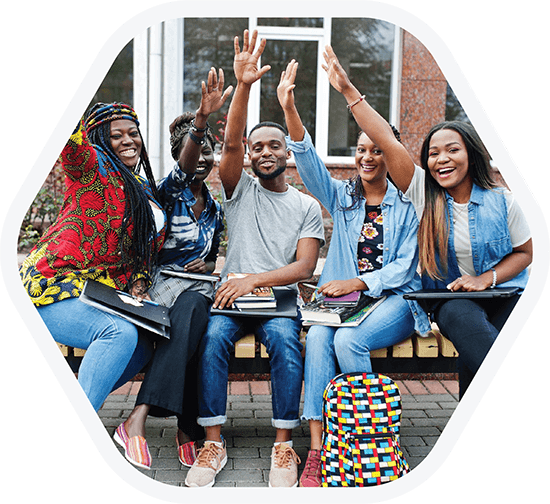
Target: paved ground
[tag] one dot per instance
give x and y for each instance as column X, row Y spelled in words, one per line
column 427, row 406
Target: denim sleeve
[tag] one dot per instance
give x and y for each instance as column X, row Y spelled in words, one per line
column 171, row 187
column 402, row 258
column 313, row 172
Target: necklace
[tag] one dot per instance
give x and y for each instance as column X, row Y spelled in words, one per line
column 458, row 210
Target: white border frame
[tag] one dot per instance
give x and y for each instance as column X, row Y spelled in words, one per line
column 480, row 120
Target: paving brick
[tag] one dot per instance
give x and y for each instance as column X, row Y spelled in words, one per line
column 434, row 387
column 420, row 431
column 240, row 388
column 251, row 463
column 245, row 475
column 440, row 423
column 416, row 387
column 240, row 413
column 411, row 441
column 419, row 450
column 442, row 413
column 451, row 386
column 175, row 478
column 260, row 388
column 402, row 387
column 250, row 422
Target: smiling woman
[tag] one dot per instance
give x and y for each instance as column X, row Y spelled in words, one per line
column 105, row 231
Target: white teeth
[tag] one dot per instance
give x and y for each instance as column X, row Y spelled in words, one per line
column 128, row 153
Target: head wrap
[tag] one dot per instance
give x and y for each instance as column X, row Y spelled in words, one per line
column 102, row 113
column 180, row 127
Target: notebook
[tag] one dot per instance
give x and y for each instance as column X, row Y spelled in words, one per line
column 146, row 314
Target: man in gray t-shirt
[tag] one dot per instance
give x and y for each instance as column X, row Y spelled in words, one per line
column 275, row 233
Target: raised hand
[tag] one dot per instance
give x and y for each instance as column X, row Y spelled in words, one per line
column 245, row 64
column 213, row 96
column 337, row 76
column 285, row 89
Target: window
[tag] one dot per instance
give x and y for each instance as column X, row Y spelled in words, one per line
column 365, row 48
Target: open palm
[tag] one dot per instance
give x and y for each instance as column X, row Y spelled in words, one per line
column 245, row 64
column 337, row 76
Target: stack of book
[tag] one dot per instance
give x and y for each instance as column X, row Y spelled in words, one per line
column 345, row 311
column 261, row 298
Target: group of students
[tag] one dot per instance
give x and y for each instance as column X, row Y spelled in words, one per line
column 397, row 227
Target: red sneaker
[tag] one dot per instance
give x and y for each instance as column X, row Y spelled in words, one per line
column 311, row 475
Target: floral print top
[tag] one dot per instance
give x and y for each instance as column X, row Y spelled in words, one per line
column 371, row 240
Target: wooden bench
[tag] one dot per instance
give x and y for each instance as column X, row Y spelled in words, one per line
column 414, row 355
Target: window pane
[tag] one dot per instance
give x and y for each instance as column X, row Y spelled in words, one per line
column 118, row 84
column 365, row 50
column 278, row 54
column 208, row 42
column 293, row 22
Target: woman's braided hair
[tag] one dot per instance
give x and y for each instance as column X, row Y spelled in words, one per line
column 180, row 127
column 138, row 256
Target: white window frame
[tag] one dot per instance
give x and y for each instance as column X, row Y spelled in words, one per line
column 158, row 84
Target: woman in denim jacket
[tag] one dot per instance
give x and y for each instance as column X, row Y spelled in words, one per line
column 373, row 249
column 472, row 234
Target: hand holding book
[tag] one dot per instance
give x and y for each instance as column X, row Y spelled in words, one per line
column 237, row 285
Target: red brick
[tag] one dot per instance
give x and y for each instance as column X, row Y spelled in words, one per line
column 240, row 388
column 135, row 388
column 124, row 390
column 451, row 386
column 434, row 387
column 402, row 388
column 259, row 388
column 415, row 387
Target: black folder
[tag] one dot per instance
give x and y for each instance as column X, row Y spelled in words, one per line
column 498, row 292
column 148, row 315
column 286, row 307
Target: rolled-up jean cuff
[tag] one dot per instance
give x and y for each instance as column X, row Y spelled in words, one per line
column 318, row 418
column 211, row 421
column 285, row 424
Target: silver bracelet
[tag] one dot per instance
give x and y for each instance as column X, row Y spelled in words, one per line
column 493, row 285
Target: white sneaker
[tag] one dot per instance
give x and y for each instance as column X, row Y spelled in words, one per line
column 284, row 466
column 211, row 459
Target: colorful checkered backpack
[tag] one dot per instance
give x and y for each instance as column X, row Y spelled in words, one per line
column 361, row 417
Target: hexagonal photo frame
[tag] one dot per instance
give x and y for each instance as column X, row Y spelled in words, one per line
column 466, row 97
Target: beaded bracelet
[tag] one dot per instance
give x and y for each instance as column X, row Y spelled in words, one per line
column 493, row 285
column 355, row 102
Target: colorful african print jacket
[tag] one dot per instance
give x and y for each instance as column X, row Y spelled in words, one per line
column 84, row 241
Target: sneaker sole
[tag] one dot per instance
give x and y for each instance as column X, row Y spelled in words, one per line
column 119, row 440
column 293, row 486
column 222, row 465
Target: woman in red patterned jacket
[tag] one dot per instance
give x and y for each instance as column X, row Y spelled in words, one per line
column 109, row 229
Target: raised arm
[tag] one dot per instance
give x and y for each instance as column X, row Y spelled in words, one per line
column 285, row 94
column 245, row 66
column 398, row 160
column 212, row 99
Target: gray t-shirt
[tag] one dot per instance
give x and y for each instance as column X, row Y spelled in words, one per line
column 264, row 226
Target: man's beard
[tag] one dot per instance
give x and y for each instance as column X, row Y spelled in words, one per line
column 269, row 176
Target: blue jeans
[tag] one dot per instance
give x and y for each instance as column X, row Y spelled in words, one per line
column 109, row 342
column 390, row 323
column 282, row 341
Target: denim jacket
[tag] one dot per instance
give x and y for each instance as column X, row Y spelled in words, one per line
column 398, row 274
column 489, row 237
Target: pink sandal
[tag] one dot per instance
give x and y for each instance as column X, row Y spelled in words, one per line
column 136, row 450
column 187, row 452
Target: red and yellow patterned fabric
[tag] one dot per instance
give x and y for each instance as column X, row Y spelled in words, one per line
column 85, row 240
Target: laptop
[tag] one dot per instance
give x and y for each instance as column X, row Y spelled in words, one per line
column 498, row 292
